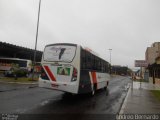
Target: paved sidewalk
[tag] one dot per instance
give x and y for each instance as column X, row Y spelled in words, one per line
column 145, row 85
column 140, row 100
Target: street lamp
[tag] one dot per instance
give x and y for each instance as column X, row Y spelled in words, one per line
column 34, row 59
column 110, row 50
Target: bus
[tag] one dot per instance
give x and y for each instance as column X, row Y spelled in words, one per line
column 7, row 64
column 73, row 69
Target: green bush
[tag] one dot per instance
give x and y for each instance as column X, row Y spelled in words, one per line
column 21, row 72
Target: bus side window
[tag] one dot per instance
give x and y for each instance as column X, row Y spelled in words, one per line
column 96, row 63
column 92, row 62
column 108, row 67
column 99, row 65
column 83, row 60
column 102, row 66
column 88, row 61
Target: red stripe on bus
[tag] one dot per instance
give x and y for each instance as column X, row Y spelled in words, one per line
column 94, row 78
column 50, row 73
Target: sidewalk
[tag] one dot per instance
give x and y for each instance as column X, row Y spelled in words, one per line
column 140, row 100
column 146, row 86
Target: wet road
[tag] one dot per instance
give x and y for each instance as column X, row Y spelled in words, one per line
column 36, row 100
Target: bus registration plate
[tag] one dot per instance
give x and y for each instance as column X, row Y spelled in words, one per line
column 63, row 71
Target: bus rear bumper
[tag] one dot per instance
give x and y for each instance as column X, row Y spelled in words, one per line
column 70, row 88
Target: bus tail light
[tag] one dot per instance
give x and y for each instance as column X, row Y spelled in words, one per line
column 74, row 74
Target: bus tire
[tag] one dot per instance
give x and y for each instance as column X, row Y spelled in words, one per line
column 94, row 90
column 105, row 88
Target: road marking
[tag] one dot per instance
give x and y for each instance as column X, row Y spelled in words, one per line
column 125, row 101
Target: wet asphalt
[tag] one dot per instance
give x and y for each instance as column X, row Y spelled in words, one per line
column 38, row 101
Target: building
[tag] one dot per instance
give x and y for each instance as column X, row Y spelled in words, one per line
column 14, row 51
column 153, row 59
column 152, row 53
column 119, row 70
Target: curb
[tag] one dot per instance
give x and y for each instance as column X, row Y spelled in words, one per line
column 125, row 102
column 13, row 89
column 7, row 90
column 20, row 83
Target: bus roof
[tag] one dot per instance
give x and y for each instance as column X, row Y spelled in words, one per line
column 71, row 44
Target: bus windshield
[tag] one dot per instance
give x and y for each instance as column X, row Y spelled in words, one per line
column 64, row 53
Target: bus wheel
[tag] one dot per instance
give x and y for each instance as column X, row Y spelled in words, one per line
column 105, row 88
column 94, row 90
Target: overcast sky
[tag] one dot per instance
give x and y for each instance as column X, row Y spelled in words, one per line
column 128, row 27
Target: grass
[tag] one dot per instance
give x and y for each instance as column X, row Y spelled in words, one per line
column 20, row 79
column 140, row 80
column 156, row 93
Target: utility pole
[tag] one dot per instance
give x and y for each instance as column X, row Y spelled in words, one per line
column 110, row 50
column 34, row 59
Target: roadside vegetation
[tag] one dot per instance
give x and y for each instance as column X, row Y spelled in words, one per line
column 17, row 74
column 156, row 93
column 21, row 79
column 139, row 80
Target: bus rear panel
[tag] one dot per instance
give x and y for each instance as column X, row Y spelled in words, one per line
column 60, row 68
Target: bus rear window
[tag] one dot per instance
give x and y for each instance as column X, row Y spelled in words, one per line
column 64, row 53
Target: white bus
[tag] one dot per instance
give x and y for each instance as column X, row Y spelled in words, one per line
column 73, row 69
column 7, row 64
